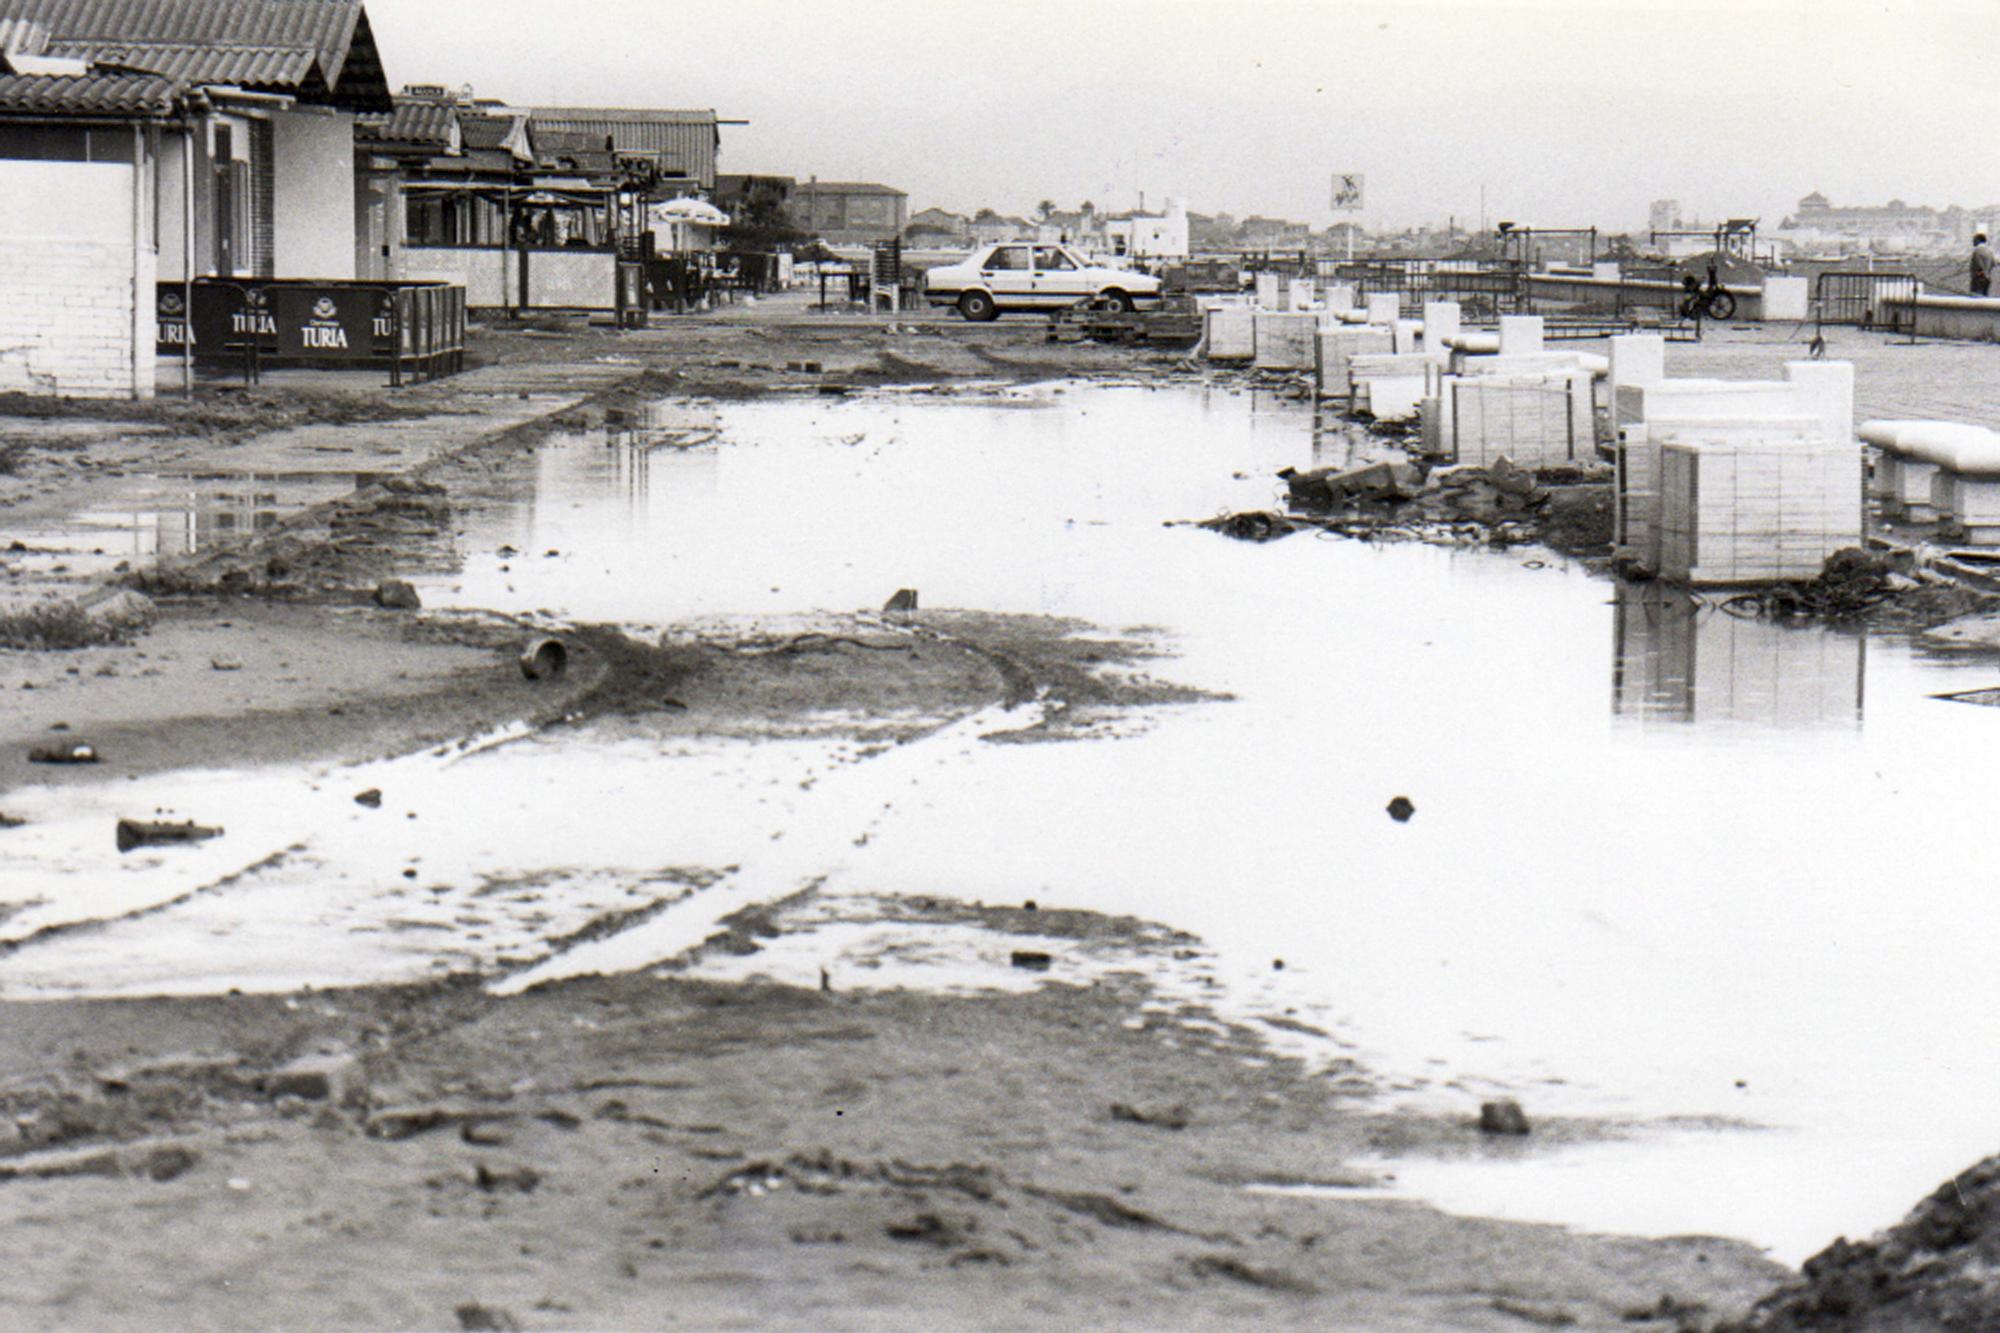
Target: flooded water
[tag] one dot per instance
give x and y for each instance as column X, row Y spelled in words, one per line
column 1667, row 865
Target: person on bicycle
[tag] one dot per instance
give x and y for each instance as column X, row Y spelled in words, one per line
column 1982, row 265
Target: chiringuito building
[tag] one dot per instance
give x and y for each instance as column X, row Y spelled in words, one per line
column 188, row 139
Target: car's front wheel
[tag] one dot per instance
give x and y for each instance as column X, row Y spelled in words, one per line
column 978, row 307
column 1114, row 299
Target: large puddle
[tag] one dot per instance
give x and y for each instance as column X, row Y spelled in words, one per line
column 1667, row 865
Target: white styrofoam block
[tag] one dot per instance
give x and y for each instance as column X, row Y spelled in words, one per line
column 1339, row 296
column 1605, row 270
column 1528, row 363
column 1409, row 335
column 1283, row 340
column 1441, row 324
column 1391, row 397
column 1271, row 291
column 1299, row 291
column 1786, row 298
column 1637, row 358
column 1232, row 333
column 1827, row 388
column 1520, row 333
column 1335, row 349
column 1384, row 308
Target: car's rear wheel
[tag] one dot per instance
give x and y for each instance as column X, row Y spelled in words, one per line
column 978, row 307
column 1114, row 299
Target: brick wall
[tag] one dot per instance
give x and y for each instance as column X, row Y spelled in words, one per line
column 68, row 275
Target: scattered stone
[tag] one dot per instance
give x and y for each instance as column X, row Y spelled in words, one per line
column 165, row 1163
column 476, row 1318
column 518, row 1180
column 133, row 833
column 1228, row 1266
column 1502, row 1117
column 1174, row 1117
column 10, row 821
column 1031, row 960
column 397, row 595
column 372, row 798
column 77, row 752
column 485, row 1133
column 118, row 608
column 1252, row 525
column 316, row 1078
column 1401, row 808
column 1541, row 1315
column 904, row 600
column 544, row 659
column 226, row 663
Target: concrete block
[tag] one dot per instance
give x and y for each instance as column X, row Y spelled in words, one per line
column 1441, row 324
column 1786, row 298
column 1299, row 294
column 1336, row 349
column 1826, row 388
column 1339, row 296
column 1408, row 336
column 1284, row 340
column 1271, row 291
column 1384, row 308
column 1637, row 358
column 1520, row 333
column 1232, row 333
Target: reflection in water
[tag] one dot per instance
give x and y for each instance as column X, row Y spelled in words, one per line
column 184, row 514
column 1680, row 658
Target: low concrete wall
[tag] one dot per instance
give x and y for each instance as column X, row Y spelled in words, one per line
column 71, row 270
column 1611, row 294
column 1972, row 318
column 557, row 279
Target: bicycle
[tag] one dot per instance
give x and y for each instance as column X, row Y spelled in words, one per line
column 1710, row 302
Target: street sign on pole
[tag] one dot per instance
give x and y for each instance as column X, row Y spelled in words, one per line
column 1347, row 192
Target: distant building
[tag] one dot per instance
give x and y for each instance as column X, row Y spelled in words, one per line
column 1150, row 235
column 1892, row 227
column 850, row 212
column 988, row 228
column 937, row 228
column 736, row 194
column 1664, row 215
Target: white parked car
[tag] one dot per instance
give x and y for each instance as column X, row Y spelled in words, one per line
column 1019, row 275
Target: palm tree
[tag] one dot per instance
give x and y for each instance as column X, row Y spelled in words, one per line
column 1043, row 209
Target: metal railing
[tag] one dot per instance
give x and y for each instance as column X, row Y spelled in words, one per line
column 1862, row 299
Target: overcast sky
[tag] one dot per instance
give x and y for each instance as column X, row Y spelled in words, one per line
column 1567, row 112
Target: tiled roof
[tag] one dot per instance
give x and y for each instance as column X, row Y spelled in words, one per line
column 414, row 121
column 89, row 94
column 853, row 187
column 319, row 49
column 242, row 66
column 325, row 27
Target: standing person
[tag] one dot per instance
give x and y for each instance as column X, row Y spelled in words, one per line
column 1982, row 265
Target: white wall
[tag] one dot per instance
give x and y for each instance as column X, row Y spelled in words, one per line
column 76, row 280
column 312, row 220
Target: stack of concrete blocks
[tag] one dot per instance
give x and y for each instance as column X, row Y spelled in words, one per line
column 1941, row 470
column 1649, row 410
column 1230, row 332
column 1346, row 331
column 1503, row 395
column 1284, row 339
column 1754, row 499
column 1389, row 387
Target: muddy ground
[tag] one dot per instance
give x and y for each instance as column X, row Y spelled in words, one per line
column 1060, row 1143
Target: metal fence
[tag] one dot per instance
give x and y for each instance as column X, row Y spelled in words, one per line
column 1862, row 299
column 1484, row 287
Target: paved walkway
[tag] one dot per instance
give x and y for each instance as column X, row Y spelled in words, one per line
column 1893, row 377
